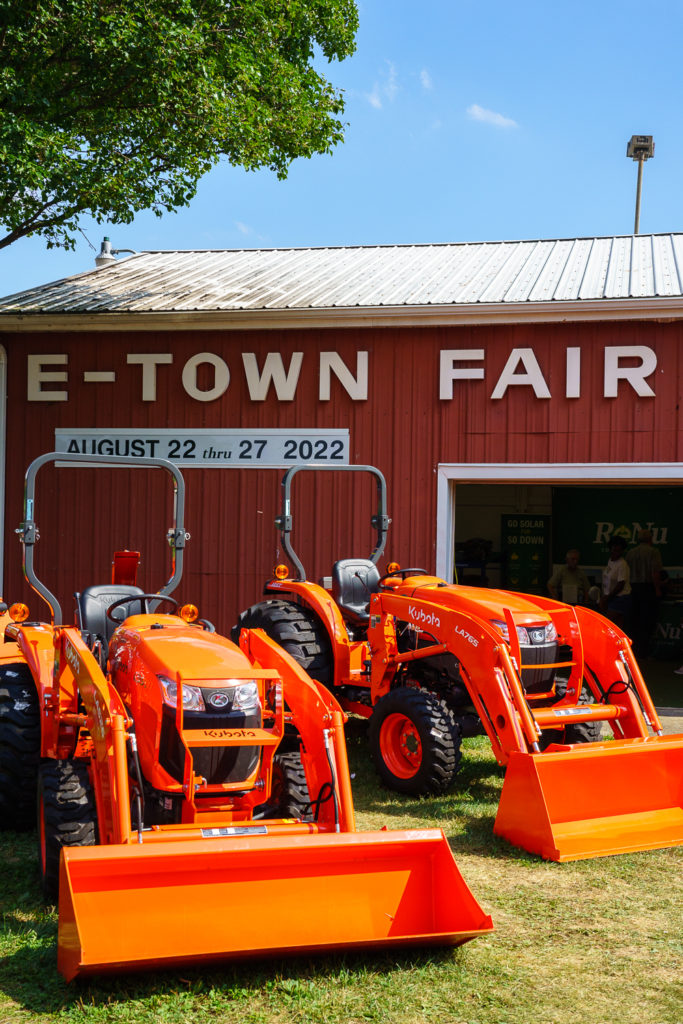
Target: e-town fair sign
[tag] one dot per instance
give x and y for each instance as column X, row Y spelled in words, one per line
column 207, row 376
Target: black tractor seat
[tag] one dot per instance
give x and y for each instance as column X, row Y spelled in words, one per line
column 353, row 581
column 91, row 610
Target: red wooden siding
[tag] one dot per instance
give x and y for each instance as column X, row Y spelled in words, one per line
column 403, row 428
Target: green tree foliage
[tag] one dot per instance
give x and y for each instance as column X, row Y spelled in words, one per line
column 114, row 106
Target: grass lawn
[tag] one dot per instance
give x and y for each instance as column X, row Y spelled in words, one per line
column 596, row 942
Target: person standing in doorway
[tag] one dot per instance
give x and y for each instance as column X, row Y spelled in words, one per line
column 615, row 600
column 569, row 583
column 645, row 566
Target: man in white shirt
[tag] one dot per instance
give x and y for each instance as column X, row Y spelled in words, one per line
column 615, row 601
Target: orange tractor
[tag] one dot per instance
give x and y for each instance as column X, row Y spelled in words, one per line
column 429, row 662
column 192, row 795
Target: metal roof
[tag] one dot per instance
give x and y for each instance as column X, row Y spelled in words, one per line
column 503, row 276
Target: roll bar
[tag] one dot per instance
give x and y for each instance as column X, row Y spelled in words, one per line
column 379, row 521
column 28, row 530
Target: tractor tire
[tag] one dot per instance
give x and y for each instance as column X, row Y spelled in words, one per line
column 414, row 741
column 66, row 817
column 297, row 630
column 19, row 748
column 290, row 789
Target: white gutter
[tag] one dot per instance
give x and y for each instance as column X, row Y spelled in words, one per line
column 653, row 308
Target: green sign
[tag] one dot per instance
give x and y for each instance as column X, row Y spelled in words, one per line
column 588, row 517
column 525, row 545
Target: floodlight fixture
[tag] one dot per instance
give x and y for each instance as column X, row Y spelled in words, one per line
column 640, row 148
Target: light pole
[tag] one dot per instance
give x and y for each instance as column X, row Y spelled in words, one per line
column 640, row 148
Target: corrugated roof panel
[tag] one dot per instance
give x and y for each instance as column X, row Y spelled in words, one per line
column 597, row 257
column 517, row 253
column 442, row 273
column 667, row 281
column 545, row 287
column 642, row 271
column 439, row 268
column 493, row 258
column 337, row 281
column 363, row 276
column 275, row 284
column 446, row 268
column 520, row 288
column 395, row 276
column 618, row 280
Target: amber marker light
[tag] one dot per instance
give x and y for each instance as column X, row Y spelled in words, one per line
column 18, row 612
column 393, row 567
column 280, row 572
column 189, row 612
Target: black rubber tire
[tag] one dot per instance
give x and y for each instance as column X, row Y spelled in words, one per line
column 66, row 806
column 439, row 740
column 290, row 789
column 19, row 748
column 297, row 630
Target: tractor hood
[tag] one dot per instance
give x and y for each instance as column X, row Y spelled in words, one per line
column 478, row 601
column 168, row 645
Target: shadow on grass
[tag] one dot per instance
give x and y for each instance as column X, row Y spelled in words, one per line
column 29, row 977
column 466, row 812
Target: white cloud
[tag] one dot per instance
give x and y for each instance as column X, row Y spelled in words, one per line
column 478, row 113
column 391, row 84
column 425, row 79
column 374, row 98
column 243, row 229
column 385, row 89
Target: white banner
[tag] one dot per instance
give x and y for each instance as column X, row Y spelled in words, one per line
column 231, row 449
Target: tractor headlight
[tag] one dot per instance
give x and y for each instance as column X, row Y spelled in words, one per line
column 231, row 695
column 192, row 695
column 529, row 635
column 502, row 628
column 245, row 696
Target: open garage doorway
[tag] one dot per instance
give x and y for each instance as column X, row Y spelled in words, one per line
column 509, row 526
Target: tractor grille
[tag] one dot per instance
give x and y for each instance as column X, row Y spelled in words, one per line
column 216, row 764
column 538, row 679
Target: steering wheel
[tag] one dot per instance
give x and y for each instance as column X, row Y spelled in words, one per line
column 140, row 598
column 403, row 573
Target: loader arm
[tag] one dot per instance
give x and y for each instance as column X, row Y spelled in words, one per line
column 106, row 721
column 312, row 706
column 487, row 668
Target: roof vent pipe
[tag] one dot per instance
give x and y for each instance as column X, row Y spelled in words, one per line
column 105, row 255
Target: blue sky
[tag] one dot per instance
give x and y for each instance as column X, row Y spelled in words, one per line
column 468, row 120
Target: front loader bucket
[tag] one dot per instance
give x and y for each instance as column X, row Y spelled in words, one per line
column 595, row 799
column 167, row 903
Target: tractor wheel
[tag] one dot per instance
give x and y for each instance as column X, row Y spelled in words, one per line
column 19, row 748
column 414, row 742
column 573, row 732
column 297, row 630
column 66, row 817
column 290, row 789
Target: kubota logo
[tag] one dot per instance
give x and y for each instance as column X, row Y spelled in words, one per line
column 423, row 618
column 220, row 734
